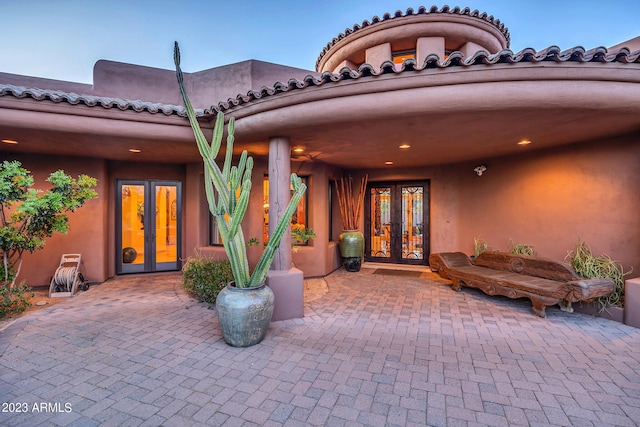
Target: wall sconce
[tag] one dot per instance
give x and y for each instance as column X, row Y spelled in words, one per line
column 480, row 169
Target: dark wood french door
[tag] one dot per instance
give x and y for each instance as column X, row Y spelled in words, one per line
column 397, row 222
column 148, row 232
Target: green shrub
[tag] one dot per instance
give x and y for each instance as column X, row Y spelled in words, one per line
column 591, row 267
column 521, row 248
column 479, row 245
column 204, row 277
column 16, row 301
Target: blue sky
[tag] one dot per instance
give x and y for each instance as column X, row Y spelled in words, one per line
column 62, row 39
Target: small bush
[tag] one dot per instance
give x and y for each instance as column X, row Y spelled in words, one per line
column 479, row 245
column 590, row 266
column 16, row 301
column 204, row 277
column 521, row 248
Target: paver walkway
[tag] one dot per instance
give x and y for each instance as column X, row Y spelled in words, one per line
column 373, row 350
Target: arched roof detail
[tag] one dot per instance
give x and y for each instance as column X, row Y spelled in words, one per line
column 451, row 23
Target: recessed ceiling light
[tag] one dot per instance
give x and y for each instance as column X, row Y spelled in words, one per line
column 298, row 150
column 524, row 142
column 388, row 163
column 9, row 141
column 404, row 146
column 135, row 150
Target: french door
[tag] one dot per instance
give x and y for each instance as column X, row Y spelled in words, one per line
column 148, row 232
column 397, row 222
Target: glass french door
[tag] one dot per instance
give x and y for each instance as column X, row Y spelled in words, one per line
column 148, row 232
column 397, row 222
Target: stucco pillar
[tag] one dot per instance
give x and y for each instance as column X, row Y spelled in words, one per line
column 286, row 282
column 425, row 46
column 469, row 48
column 376, row 55
column 632, row 302
column 279, row 195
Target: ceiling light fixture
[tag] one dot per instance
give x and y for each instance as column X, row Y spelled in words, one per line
column 9, row 141
column 524, row 142
column 404, row 146
column 388, row 163
column 480, row 170
column 135, row 150
column 298, row 150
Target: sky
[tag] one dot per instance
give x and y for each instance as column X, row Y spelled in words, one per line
column 63, row 39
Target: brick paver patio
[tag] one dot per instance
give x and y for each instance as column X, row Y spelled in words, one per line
column 373, row 350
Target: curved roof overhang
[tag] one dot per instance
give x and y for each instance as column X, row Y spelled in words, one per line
column 59, row 123
column 452, row 111
column 476, row 110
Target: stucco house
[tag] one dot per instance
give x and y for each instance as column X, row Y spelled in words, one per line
column 460, row 137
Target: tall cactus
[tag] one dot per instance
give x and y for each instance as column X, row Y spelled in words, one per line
column 228, row 192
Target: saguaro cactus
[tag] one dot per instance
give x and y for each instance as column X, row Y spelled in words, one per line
column 228, row 192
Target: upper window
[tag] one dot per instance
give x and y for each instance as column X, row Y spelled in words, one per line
column 400, row 57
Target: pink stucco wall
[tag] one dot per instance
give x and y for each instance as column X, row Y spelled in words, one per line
column 206, row 87
column 88, row 233
column 547, row 198
column 551, row 199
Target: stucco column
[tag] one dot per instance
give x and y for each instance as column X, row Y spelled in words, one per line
column 376, row 55
column 428, row 45
column 279, row 195
column 286, row 282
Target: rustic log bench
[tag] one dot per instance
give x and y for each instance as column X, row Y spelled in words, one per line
column 544, row 281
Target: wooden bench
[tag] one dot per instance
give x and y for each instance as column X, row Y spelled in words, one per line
column 544, row 281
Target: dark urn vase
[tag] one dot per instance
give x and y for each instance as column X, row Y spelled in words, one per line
column 129, row 255
column 244, row 314
column 351, row 243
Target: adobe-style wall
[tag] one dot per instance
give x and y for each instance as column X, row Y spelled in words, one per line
column 546, row 198
column 551, row 198
column 88, row 233
column 205, row 88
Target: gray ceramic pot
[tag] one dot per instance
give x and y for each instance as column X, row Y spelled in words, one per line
column 244, row 314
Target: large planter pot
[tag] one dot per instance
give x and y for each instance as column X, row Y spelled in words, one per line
column 351, row 244
column 244, row 314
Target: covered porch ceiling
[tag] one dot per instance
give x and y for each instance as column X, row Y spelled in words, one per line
column 444, row 115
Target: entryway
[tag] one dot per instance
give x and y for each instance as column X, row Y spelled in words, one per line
column 148, row 231
column 397, row 222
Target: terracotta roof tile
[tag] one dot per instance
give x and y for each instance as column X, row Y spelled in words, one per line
column 421, row 11
column 90, row 100
column 456, row 59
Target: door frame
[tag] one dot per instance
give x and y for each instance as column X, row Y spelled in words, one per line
column 396, row 222
column 150, row 263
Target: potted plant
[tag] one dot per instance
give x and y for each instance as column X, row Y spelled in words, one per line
column 351, row 240
column 301, row 235
column 245, row 306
